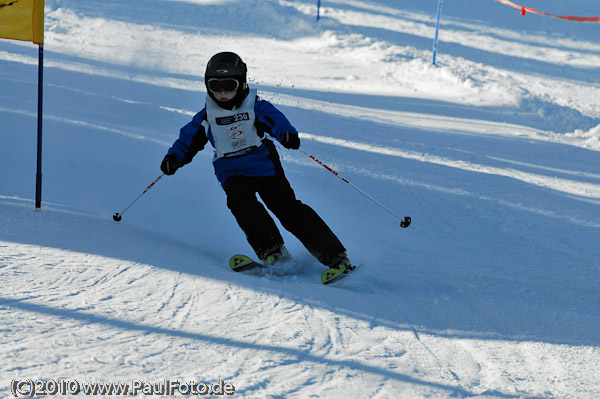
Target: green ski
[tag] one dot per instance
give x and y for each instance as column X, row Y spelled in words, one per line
column 243, row 263
column 332, row 274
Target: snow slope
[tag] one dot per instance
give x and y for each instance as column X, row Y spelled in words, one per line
column 494, row 152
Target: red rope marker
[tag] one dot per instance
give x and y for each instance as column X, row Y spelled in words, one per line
column 524, row 11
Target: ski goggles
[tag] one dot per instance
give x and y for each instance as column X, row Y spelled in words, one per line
column 228, row 85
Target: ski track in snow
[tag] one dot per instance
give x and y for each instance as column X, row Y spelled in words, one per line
column 103, row 310
column 492, row 292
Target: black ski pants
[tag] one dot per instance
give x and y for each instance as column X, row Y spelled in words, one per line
column 296, row 217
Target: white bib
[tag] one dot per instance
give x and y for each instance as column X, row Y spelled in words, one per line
column 233, row 131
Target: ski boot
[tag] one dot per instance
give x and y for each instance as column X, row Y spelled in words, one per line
column 274, row 255
column 342, row 263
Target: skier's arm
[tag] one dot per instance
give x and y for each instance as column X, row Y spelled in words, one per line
column 192, row 138
column 273, row 122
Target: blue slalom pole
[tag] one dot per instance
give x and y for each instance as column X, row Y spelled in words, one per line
column 318, row 9
column 437, row 24
column 38, row 175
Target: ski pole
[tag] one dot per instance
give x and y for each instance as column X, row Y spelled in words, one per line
column 117, row 216
column 404, row 222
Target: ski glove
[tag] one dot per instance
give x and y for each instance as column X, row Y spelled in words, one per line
column 290, row 140
column 169, row 164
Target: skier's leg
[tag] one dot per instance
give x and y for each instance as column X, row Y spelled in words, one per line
column 260, row 229
column 300, row 219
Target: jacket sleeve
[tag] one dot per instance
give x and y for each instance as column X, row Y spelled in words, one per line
column 192, row 138
column 270, row 120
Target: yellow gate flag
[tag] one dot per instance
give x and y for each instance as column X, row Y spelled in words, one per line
column 22, row 20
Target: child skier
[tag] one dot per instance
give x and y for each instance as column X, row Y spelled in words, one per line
column 241, row 127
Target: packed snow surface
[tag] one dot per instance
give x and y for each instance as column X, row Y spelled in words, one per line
column 492, row 292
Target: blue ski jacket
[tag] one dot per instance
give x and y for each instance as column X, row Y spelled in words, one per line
column 262, row 160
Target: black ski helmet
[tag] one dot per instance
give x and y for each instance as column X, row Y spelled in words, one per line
column 227, row 65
